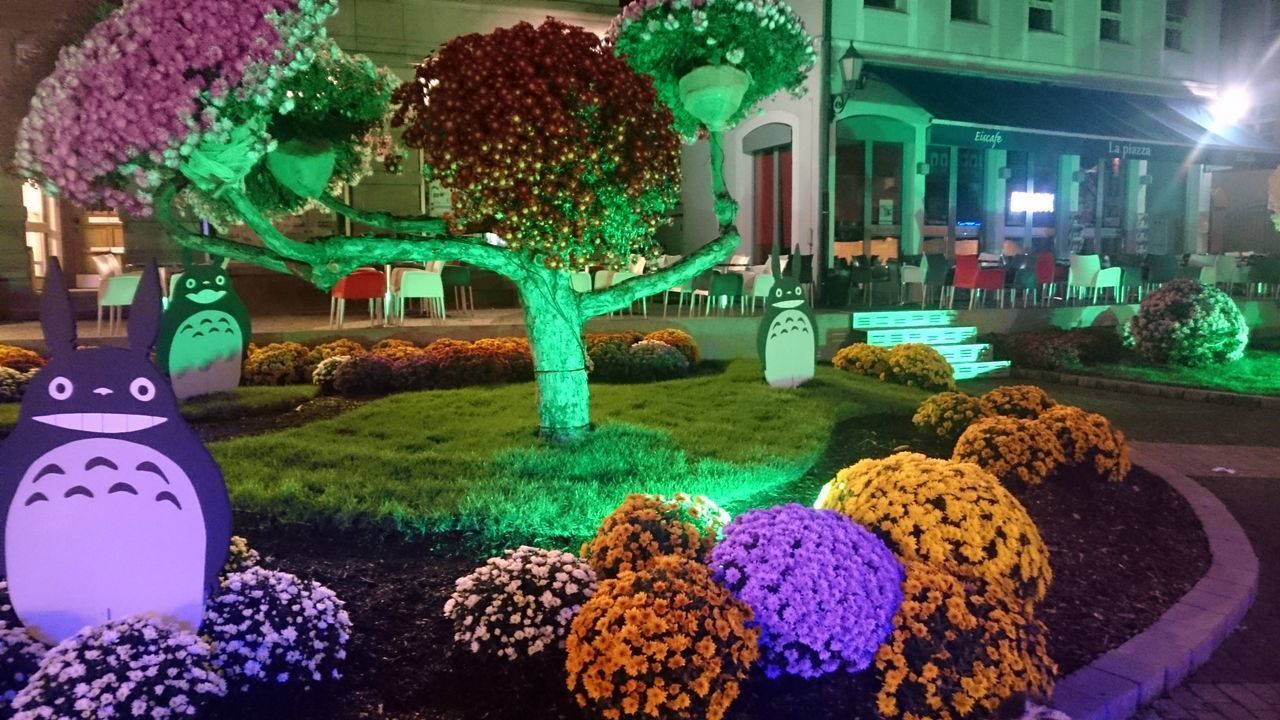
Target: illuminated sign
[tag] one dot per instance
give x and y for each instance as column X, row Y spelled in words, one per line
column 1030, row 202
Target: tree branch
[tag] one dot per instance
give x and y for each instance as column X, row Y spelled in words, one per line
column 385, row 220
column 272, row 238
column 223, row 247
column 339, row 255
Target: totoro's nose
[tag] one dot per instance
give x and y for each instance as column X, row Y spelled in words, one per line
column 102, row 391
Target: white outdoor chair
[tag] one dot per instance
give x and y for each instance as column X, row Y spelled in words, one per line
column 603, row 278
column 681, row 290
column 422, row 285
column 1080, row 277
column 621, row 276
column 115, row 292
column 1108, row 278
column 580, row 281
column 761, row 288
column 912, row 275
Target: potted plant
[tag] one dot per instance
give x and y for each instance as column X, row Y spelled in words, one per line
column 712, row 61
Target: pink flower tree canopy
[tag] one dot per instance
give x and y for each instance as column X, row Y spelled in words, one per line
column 161, row 81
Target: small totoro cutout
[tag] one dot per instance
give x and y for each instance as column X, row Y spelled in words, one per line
column 203, row 333
column 109, row 503
column 788, row 335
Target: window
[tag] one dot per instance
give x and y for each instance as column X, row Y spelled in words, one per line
column 964, row 10
column 1040, row 16
column 1109, row 25
column 43, row 228
column 1175, row 13
column 882, row 4
column 772, row 200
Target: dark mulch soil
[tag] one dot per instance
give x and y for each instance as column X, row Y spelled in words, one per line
column 319, row 408
column 1121, row 555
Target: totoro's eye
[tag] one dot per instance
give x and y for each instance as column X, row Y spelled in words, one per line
column 798, row 291
column 143, row 389
column 778, row 292
column 191, row 283
column 60, row 388
column 221, row 280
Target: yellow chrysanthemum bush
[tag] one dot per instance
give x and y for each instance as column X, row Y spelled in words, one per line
column 942, row 417
column 1089, row 442
column 953, row 515
column 1012, row 449
column 665, row 642
column 1020, row 401
column 282, row 363
column 680, row 340
column 958, row 650
column 646, row 527
column 862, row 359
column 918, row 365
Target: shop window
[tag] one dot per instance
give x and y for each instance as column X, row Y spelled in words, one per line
column 969, row 172
column 882, row 4
column 965, row 10
column 1040, row 16
column 1109, row 26
column 886, row 185
column 43, row 231
column 772, row 214
column 850, row 189
column 1175, row 14
column 937, row 189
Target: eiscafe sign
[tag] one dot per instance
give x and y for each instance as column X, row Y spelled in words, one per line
column 989, row 138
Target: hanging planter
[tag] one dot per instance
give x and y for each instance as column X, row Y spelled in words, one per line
column 302, row 166
column 713, row 93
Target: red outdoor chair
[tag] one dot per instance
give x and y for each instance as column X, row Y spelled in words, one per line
column 972, row 277
column 363, row 284
column 1046, row 279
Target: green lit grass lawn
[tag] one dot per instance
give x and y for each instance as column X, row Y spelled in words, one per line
column 1257, row 373
column 243, row 402
column 467, row 461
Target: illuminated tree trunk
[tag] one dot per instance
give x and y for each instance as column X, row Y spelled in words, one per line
column 554, row 321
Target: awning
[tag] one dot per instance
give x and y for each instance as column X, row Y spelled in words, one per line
column 976, row 111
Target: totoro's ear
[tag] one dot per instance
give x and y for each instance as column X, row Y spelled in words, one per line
column 223, row 262
column 144, row 313
column 56, row 314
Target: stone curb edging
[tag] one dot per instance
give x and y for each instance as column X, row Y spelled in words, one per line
column 1134, row 387
column 1116, row 685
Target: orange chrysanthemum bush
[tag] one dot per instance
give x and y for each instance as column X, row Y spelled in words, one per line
column 1020, row 401
column 942, row 417
column 343, row 347
column 958, row 650
column 511, row 353
column 20, row 359
column 1011, row 449
column 665, row 642
column 394, row 349
column 646, row 527
column 1090, row 443
column 862, row 359
column 950, row 514
column 919, row 365
column 678, row 339
column 283, row 363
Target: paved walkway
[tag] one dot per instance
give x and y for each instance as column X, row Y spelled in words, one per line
column 1235, row 453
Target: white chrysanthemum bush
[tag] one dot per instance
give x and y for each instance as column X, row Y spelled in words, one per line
column 521, row 603
column 137, row 666
column 273, row 627
column 20, row 655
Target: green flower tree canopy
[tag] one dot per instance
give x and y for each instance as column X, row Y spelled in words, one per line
column 668, row 39
column 547, row 140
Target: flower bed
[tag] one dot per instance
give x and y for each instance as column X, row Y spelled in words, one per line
column 910, row 364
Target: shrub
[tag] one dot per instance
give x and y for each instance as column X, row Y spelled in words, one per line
column 1041, row 350
column 941, row 418
column 952, row 515
column 456, row 364
column 1010, row 449
column 363, row 375
column 862, row 359
column 611, row 360
column 20, row 359
column 1089, row 442
column 326, row 370
column 823, row 590
column 645, row 527
column 958, row 651
column 1019, row 401
column 624, row 339
column 654, row 360
column 20, row 655
column 7, row 615
column 521, row 603
column 342, row 347
column 511, row 353
column 664, row 642
column 394, row 349
column 1101, row 344
column 282, row 363
column 13, row 383
column 413, row 372
column 136, row 665
column 680, row 340
column 241, row 557
column 1186, row 323
column 273, row 627
column 918, row 365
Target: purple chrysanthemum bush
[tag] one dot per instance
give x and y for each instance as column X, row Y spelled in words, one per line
column 823, row 589
column 159, row 84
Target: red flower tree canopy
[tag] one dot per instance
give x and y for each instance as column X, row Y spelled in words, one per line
column 548, row 139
